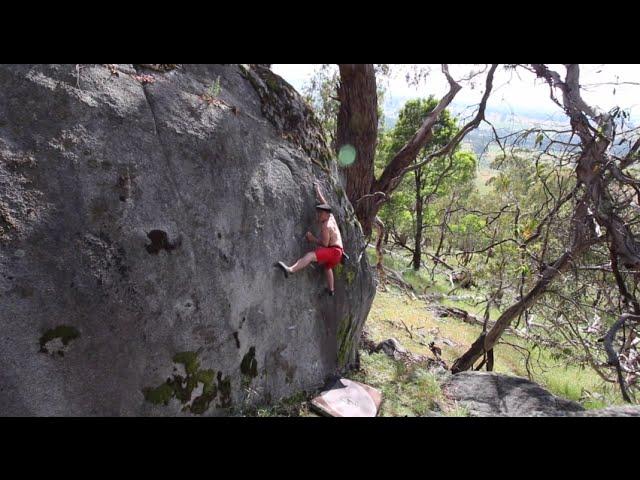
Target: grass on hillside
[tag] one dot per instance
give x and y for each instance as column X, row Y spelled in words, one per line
column 407, row 391
column 484, row 174
column 394, row 311
column 414, row 391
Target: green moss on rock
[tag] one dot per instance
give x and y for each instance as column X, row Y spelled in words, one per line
column 224, row 387
column 249, row 365
column 207, row 377
column 159, row 395
column 189, row 360
column 181, row 388
column 344, row 272
column 201, row 404
column 345, row 338
column 66, row 333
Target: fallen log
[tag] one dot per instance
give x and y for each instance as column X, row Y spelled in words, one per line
column 443, row 311
column 395, row 277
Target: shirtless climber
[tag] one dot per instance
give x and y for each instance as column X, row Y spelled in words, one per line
column 330, row 250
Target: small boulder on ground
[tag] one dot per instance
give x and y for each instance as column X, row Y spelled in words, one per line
column 392, row 348
column 617, row 411
column 490, row 394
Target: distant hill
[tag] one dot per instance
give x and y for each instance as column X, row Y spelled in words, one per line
column 503, row 118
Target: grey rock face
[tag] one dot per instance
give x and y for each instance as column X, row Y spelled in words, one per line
column 617, row 411
column 141, row 213
column 489, row 394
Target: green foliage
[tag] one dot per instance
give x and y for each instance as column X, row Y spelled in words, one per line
column 214, row 89
column 469, row 224
column 411, row 207
column 294, row 406
column 320, row 93
column 539, row 139
column 411, row 117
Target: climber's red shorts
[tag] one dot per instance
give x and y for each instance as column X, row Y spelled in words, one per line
column 329, row 256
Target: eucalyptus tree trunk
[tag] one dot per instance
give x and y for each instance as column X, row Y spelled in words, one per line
column 417, row 249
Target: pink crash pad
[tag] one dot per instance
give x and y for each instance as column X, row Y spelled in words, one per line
column 346, row 398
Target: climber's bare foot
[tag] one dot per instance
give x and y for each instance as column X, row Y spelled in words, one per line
column 284, row 268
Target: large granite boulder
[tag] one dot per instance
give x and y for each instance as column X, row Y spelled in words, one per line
column 142, row 209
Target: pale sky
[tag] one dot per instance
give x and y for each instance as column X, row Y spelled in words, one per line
column 517, row 91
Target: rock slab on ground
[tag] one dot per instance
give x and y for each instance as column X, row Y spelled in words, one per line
column 348, row 398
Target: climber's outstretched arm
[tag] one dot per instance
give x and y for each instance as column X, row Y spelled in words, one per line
column 319, row 193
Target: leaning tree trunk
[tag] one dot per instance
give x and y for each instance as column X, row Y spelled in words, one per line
column 595, row 169
column 417, row 249
column 580, row 243
column 379, row 254
column 358, row 126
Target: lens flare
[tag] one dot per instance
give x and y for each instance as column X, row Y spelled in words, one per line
column 346, row 155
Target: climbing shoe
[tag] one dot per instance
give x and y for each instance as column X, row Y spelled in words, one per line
column 284, row 269
column 330, row 293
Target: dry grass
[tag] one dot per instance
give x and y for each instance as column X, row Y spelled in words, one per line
column 394, row 314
